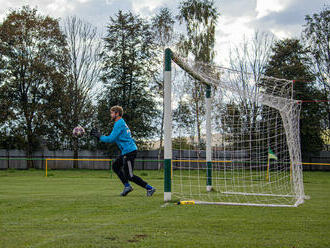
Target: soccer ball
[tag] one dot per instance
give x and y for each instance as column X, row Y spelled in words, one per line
column 78, row 131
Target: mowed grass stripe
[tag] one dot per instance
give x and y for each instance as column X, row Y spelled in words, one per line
column 81, row 208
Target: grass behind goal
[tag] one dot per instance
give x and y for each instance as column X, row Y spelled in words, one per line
column 81, row 208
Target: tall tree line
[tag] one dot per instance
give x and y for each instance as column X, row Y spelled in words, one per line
column 305, row 62
column 34, row 59
column 199, row 18
column 127, row 74
column 49, row 73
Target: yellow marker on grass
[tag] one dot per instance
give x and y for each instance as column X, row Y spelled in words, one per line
column 186, row 203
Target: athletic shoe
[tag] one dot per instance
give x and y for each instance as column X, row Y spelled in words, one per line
column 150, row 192
column 126, row 190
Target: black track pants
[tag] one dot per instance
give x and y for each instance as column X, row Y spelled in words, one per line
column 123, row 167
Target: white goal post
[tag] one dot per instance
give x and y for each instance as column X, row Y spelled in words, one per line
column 251, row 154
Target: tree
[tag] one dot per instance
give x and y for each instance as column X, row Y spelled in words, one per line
column 290, row 61
column 33, row 55
column 84, row 46
column 128, row 72
column 252, row 56
column 182, row 118
column 316, row 36
column 200, row 18
column 232, row 122
column 249, row 59
column 162, row 24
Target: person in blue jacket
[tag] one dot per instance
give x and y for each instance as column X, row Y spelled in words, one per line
column 124, row 165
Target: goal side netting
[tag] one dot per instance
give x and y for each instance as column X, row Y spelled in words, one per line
column 230, row 137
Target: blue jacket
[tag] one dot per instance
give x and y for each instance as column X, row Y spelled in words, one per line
column 121, row 135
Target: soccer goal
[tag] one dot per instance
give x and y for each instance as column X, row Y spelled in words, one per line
column 229, row 138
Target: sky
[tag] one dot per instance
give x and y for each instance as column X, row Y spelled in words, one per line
column 238, row 18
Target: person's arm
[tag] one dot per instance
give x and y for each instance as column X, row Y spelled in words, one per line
column 113, row 135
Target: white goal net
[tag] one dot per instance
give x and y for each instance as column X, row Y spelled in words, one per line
column 230, row 138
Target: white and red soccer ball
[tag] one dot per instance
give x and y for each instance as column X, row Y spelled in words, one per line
column 78, row 131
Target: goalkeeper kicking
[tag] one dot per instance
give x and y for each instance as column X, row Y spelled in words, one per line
column 124, row 165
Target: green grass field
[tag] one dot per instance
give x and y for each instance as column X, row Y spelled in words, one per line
column 82, row 208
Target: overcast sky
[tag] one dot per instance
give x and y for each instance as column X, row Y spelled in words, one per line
column 239, row 18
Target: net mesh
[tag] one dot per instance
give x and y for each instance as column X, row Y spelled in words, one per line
column 255, row 143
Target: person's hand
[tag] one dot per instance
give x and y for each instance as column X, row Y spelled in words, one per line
column 96, row 133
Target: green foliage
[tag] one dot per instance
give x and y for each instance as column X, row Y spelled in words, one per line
column 33, row 58
column 182, row 116
column 75, row 103
column 243, row 129
column 162, row 24
column 128, row 74
column 290, row 61
column 182, row 143
column 316, row 36
column 200, row 17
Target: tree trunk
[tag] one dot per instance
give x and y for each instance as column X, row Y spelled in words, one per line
column 29, row 148
column 76, row 122
column 29, row 143
column 75, row 153
column 8, row 158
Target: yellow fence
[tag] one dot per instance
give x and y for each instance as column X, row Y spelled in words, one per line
column 178, row 160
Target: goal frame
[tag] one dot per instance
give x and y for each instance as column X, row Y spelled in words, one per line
column 169, row 56
column 265, row 99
